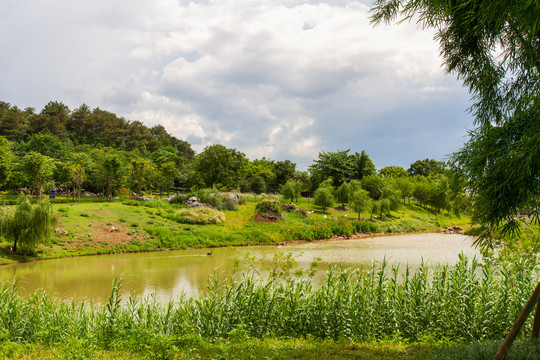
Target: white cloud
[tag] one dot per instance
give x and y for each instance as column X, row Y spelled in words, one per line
column 283, row 78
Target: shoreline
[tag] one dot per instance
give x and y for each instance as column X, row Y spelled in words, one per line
column 278, row 244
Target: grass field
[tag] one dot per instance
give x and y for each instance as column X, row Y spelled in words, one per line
column 91, row 228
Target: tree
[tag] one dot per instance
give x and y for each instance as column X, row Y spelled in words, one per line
column 426, row 167
column 258, row 185
column 29, row 225
column 38, row 167
column 336, row 165
column 78, row 175
column 291, row 190
column 168, row 172
column 220, row 165
column 492, row 45
column 5, row 160
column 405, row 185
column 112, row 173
column 284, row 171
column 363, row 166
column 341, row 167
column 373, row 184
column 51, row 120
column 141, row 172
column 393, row 172
column 13, row 122
column 323, row 198
column 344, row 193
column 361, row 201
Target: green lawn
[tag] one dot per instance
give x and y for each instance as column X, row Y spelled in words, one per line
column 104, row 227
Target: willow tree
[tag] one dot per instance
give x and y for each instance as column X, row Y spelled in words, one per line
column 29, row 225
column 493, row 46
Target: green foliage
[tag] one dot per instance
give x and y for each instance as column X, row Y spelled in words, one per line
column 268, row 204
column 258, row 185
column 29, row 224
column 198, row 215
column 462, row 303
column 341, row 167
column 393, row 172
column 361, row 201
column 220, row 165
column 344, row 193
column 180, row 199
column 323, row 198
column 291, row 190
column 426, row 167
column 493, row 47
column 222, row 202
column 373, row 184
column 39, row 168
column 5, row 160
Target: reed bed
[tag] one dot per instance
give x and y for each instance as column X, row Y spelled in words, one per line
column 466, row 302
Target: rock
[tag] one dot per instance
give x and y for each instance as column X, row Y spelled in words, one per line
column 142, row 198
column 234, row 197
column 197, row 204
column 60, row 232
column 192, row 200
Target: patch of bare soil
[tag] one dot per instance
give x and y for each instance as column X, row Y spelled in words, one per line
column 103, row 235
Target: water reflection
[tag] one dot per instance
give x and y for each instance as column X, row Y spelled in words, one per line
column 170, row 273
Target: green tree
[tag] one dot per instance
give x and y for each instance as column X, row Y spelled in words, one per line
column 283, row 171
column 426, row 167
column 393, row 172
column 29, row 225
column 168, row 172
column 323, row 198
column 291, row 190
column 341, row 167
column 112, row 173
column 373, row 184
column 405, row 185
column 362, row 165
column 13, row 122
column 258, row 185
column 142, row 170
column 5, row 160
column 344, row 193
column 78, row 176
column 361, row 201
column 51, row 120
column 220, row 165
column 38, row 167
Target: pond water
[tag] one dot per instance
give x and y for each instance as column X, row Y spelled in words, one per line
column 170, row 273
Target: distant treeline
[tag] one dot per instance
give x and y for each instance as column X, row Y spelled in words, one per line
column 99, row 152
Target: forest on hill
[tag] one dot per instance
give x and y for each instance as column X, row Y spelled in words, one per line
column 96, row 151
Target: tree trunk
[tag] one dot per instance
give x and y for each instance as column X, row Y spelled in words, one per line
column 535, row 298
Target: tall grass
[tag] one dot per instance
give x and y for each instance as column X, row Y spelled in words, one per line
column 466, row 302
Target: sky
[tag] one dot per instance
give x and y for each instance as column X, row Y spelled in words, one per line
column 284, row 79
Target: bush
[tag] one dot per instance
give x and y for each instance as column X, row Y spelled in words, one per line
column 268, row 204
column 180, row 199
column 223, row 202
column 199, row 215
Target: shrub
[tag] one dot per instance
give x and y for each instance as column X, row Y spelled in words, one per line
column 199, row 215
column 268, row 204
column 228, row 204
column 180, row 199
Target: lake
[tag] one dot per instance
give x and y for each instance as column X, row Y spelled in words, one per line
column 170, row 273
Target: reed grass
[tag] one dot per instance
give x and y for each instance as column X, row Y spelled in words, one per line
column 463, row 303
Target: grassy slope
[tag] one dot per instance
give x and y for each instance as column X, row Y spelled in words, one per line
column 100, row 228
